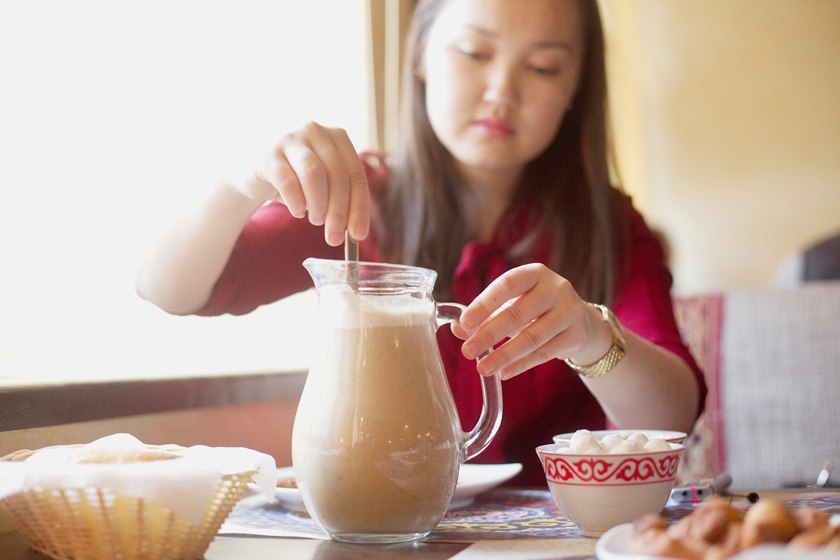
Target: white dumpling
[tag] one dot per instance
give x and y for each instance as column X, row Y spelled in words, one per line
column 586, row 445
column 610, row 441
column 582, row 434
column 626, row 446
column 657, row 445
column 638, row 437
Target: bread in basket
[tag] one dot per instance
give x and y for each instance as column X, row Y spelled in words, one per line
column 118, row 498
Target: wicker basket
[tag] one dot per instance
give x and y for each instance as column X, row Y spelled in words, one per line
column 95, row 524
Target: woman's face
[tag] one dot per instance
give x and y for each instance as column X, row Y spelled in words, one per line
column 499, row 76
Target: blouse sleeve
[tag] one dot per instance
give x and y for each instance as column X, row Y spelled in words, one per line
column 643, row 297
column 266, row 262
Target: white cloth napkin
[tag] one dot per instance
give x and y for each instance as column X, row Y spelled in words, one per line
column 185, row 485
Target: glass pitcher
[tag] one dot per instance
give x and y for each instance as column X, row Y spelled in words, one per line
column 377, row 442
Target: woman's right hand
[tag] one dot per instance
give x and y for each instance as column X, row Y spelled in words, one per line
column 315, row 172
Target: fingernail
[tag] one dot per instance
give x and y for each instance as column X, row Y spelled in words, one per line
column 335, row 238
column 469, row 351
column 358, row 232
column 486, row 369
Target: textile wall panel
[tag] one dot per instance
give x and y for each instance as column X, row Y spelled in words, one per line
column 772, row 363
column 780, row 384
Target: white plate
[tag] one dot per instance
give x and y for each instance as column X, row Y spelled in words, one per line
column 615, row 545
column 667, row 435
column 289, row 498
column 473, row 479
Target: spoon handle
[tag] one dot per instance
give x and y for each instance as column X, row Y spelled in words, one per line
column 351, row 248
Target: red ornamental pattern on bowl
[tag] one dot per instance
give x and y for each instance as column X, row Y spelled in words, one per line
column 599, row 491
column 615, row 469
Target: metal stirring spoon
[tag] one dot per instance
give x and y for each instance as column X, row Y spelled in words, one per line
column 351, row 255
column 351, row 248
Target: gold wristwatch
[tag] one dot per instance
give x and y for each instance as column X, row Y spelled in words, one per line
column 613, row 355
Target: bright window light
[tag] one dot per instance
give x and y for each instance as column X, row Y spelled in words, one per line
column 115, row 117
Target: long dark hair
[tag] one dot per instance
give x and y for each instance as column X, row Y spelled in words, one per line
column 426, row 215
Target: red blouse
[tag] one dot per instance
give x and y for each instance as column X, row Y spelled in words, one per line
column 265, row 266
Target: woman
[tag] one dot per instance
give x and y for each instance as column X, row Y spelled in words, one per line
column 501, row 185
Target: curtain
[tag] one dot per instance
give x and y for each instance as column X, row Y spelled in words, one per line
column 388, row 24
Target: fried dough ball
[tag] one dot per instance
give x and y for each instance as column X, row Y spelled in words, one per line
column 717, row 531
column 808, row 517
column 658, row 542
column 730, row 542
column 711, row 524
column 649, row 521
column 834, row 544
column 715, row 552
column 708, row 522
column 767, row 522
column 721, row 503
column 814, row 537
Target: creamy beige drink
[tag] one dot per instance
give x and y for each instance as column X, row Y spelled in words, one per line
column 385, row 460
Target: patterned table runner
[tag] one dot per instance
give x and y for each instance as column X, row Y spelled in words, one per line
column 503, row 513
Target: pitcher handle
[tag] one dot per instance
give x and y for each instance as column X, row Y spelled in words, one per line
column 477, row 439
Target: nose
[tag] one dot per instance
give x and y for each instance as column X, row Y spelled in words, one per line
column 501, row 87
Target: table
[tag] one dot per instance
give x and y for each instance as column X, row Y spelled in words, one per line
column 438, row 547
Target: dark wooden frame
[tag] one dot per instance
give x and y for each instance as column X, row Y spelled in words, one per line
column 50, row 403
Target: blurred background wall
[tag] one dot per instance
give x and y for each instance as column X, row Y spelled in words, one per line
column 727, row 123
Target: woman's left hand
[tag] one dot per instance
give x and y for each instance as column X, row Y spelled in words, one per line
column 541, row 316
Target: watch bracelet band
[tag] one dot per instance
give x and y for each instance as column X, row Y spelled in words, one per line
column 614, row 355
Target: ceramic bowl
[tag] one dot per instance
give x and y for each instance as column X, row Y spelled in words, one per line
column 599, row 491
column 667, row 435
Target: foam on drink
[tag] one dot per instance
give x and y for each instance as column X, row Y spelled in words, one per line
column 343, row 308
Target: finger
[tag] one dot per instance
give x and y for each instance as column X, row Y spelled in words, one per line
column 338, row 193
column 277, row 172
column 358, row 217
column 311, row 153
column 508, row 320
column 352, row 199
column 504, row 288
column 530, row 345
column 549, row 351
column 572, row 334
column 459, row 331
column 256, row 187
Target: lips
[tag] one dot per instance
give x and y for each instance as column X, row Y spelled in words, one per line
column 495, row 127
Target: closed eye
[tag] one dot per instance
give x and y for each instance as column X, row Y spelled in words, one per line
column 544, row 71
column 474, row 55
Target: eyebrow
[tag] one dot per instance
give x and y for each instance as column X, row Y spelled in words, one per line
column 562, row 45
